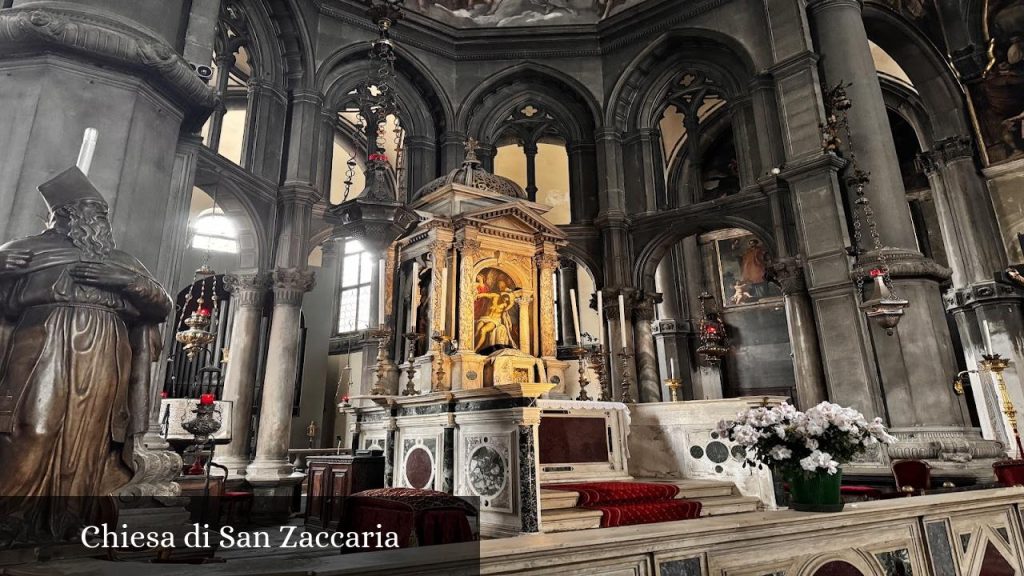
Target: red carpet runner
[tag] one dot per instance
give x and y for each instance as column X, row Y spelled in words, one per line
column 625, row 503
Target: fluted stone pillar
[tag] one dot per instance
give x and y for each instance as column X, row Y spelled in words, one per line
column 648, row 385
column 271, row 463
column 248, row 291
column 915, row 371
column 567, row 280
column 803, row 333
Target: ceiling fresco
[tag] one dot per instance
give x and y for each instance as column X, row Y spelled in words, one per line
column 509, row 13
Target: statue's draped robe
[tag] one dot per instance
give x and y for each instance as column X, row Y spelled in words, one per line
column 67, row 373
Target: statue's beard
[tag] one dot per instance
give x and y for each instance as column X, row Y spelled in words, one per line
column 87, row 227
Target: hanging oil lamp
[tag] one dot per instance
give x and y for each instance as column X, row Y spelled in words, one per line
column 883, row 307
column 712, row 334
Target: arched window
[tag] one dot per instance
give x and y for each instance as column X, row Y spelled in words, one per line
column 356, row 275
column 700, row 150
column 212, row 230
column 233, row 67
column 532, row 153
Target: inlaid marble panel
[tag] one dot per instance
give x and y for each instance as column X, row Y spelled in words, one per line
column 488, row 467
column 939, row 547
column 681, row 567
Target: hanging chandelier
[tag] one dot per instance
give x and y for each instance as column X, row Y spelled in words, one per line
column 377, row 217
column 883, row 306
column 201, row 323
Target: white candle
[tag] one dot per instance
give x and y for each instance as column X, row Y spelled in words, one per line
column 87, row 150
column 381, row 290
column 622, row 320
column 414, row 296
column 575, row 316
column 600, row 318
column 671, row 367
column 988, row 337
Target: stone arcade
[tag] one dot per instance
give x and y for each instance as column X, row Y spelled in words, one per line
column 496, row 240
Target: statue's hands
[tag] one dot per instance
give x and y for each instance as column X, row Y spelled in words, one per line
column 13, row 260
column 105, row 275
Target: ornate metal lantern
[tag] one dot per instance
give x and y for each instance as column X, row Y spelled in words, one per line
column 884, row 307
column 712, row 334
column 206, row 422
column 201, row 323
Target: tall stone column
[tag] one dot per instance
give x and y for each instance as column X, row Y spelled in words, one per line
column 530, row 150
column 248, row 290
column 469, row 249
column 546, row 263
column 648, row 385
column 271, row 464
column 915, row 371
column 803, row 333
column 989, row 315
column 568, row 280
column 439, row 304
column 583, row 193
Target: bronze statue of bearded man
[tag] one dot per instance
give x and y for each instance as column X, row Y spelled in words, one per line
column 77, row 336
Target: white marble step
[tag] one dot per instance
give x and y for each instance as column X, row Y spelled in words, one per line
column 735, row 504
column 565, row 519
column 557, row 499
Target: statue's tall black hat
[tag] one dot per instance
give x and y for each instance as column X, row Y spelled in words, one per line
column 69, row 186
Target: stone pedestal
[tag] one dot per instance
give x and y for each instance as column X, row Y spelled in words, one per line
column 271, row 463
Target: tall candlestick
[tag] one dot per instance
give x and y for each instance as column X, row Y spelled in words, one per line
column 600, row 318
column 87, row 150
column 622, row 320
column 575, row 316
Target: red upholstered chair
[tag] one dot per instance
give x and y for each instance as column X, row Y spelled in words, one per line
column 912, row 476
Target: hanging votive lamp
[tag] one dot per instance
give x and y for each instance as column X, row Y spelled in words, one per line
column 883, row 307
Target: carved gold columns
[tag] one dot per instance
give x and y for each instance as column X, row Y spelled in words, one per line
column 547, row 261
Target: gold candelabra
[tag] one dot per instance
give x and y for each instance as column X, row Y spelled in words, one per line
column 383, row 336
column 410, row 385
column 581, row 354
column 597, row 359
column 995, row 365
column 625, row 397
column 673, row 385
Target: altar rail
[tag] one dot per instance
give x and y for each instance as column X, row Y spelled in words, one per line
column 939, row 535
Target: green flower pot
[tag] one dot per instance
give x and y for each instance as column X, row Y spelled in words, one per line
column 816, row 491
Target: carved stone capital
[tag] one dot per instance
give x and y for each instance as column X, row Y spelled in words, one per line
column 981, row 294
column 546, row 262
column 946, row 151
column 290, row 284
column 107, row 41
column 247, row 288
column 788, row 275
column 438, row 251
column 902, row 264
column 468, row 247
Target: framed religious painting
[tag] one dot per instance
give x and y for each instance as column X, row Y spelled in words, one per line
column 742, row 261
column 495, row 311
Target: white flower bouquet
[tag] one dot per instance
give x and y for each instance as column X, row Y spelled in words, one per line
column 791, row 442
